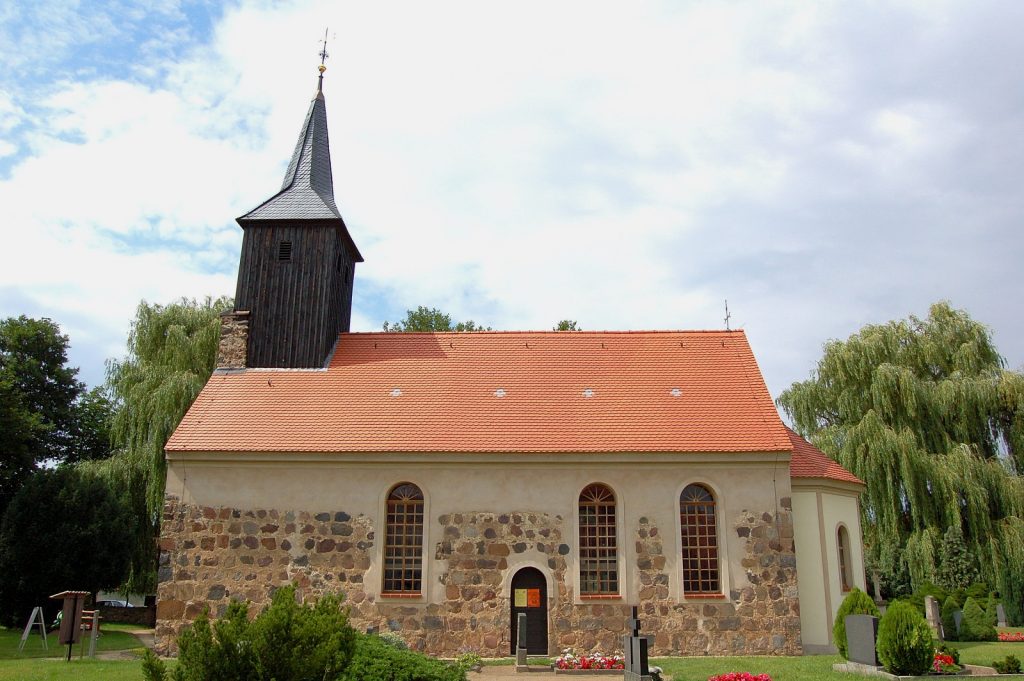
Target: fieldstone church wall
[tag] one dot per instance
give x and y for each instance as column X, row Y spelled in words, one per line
column 211, row 555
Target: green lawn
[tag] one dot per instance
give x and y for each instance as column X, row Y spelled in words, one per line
column 53, row 669
column 807, row 668
column 113, row 637
column 986, row 653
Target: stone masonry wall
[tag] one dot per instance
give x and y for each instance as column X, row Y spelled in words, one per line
column 209, row 556
column 760, row 619
column 233, row 349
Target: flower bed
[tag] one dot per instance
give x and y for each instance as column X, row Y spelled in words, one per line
column 594, row 661
column 944, row 664
column 740, row 676
column 1012, row 637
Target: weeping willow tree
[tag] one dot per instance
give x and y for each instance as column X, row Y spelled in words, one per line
column 172, row 350
column 924, row 412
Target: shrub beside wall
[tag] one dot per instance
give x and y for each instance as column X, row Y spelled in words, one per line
column 856, row 603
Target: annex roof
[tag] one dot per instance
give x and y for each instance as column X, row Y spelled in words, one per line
column 810, row 462
column 636, row 391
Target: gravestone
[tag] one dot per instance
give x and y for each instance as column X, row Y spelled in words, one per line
column 521, row 641
column 1000, row 615
column 861, row 633
column 958, row 617
column 635, row 648
column 934, row 616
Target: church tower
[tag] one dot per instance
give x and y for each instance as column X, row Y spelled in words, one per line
column 294, row 293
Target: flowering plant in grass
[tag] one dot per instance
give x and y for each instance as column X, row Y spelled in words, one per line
column 944, row 664
column 567, row 660
column 740, row 676
column 1011, row 637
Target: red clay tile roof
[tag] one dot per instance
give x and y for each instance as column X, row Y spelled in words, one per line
column 810, row 462
column 439, row 392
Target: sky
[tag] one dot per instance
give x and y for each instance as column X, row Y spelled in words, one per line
column 820, row 165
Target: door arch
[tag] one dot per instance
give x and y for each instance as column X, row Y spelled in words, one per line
column 529, row 594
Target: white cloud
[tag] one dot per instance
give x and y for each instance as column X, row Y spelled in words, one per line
column 818, row 165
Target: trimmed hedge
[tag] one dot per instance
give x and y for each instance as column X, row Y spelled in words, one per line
column 376, row 660
column 904, row 641
column 856, row 603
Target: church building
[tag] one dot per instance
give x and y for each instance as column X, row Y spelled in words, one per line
column 445, row 482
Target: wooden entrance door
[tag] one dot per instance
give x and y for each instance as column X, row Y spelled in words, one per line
column 530, row 595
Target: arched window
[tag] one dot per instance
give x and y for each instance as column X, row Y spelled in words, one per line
column 843, row 544
column 699, row 530
column 403, row 543
column 599, row 568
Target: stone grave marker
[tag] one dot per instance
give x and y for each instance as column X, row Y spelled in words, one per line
column 958, row 617
column 1000, row 615
column 521, row 641
column 861, row 633
column 934, row 616
column 635, row 647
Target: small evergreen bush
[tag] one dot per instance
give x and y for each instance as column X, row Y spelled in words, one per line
column 949, row 609
column 990, row 609
column 286, row 642
column 904, row 640
column 153, row 668
column 1008, row 665
column 975, row 626
column 856, row 603
column 375, row 660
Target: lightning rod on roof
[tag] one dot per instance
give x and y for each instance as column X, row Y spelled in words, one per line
column 727, row 315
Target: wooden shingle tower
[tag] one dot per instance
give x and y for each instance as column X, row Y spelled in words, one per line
column 295, row 275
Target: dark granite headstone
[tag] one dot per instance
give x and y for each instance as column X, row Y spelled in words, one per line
column 635, row 647
column 861, row 633
column 958, row 617
column 1000, row 615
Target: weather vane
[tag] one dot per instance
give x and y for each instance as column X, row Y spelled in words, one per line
column 727, row 315
column 323, row 66
column 323, row 52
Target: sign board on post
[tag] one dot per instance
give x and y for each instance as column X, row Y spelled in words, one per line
column 71, row 617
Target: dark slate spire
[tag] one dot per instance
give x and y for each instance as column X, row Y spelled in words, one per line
column 308, row 189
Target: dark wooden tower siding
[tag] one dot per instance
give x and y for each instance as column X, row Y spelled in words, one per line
column 298, row 260
column 297, row 305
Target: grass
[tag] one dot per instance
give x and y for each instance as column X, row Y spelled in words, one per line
column 113, row 637
column 53, row 669
column 807, row 668
column 986, row 653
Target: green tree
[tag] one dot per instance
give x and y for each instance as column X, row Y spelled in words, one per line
column 975, row 625
column 566, row 325
column 39, row 407
column 89, row 435
column 923, row 411
column 430, row 319
column 172, row 351
column 64, row 529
